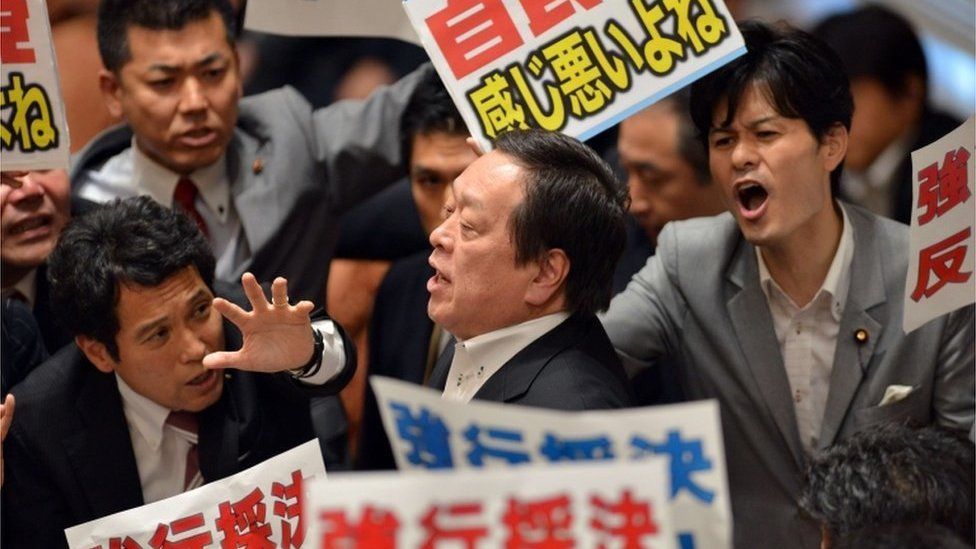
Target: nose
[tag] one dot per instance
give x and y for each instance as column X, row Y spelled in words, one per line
column 193, row 97
column 28, row 189
column 639, row 204
column 439, row 237
column 743, row 154
column 192, row 347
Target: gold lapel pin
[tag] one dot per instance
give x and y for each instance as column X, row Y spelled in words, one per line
column 861, row 336
column 257, row 167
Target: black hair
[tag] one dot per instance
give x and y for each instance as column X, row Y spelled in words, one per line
column 115, row 17
column 900, row 536
column 429, row 110
column 572, row 202
column 800, row 75
column 893, row 474
column 132, row 241
column 877, row 43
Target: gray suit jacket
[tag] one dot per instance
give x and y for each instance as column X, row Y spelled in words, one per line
column 699, row 302
column 293, row 172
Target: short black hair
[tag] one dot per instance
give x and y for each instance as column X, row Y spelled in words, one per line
column 116, row 16
column 900, row 536
column 132, row 241
column 893, row 474
column 877, row 43
column 801, row 77
column 429, row 110
column 572, row 202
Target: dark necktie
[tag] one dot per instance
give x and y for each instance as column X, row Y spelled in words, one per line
column 187, row 422
column 185, row 196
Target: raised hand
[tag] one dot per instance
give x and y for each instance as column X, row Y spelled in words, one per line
column 277, row 336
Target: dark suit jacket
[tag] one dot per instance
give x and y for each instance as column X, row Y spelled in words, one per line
column 572, row 367
column 69, row 458
column 399, row 340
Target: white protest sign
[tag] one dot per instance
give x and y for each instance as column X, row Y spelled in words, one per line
column 426, row 433
column 575, row 66
column 591, row 505
column 379, row 18
column 261, row 505
column 33, row 128
column 941, row 244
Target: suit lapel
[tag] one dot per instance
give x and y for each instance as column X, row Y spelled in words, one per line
column 261, row 204
column 515, row 377
column 101, row 449
column 754, row 330
column 850, row 357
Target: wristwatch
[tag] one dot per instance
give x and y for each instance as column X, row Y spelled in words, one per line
column 315, row 363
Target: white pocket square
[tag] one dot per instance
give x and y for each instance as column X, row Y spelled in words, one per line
column 895, row 393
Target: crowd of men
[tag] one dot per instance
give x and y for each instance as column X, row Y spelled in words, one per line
column 163, row 320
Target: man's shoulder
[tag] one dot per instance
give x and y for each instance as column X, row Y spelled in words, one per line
column 888, row 236
column 700, row 234
column 52, row 387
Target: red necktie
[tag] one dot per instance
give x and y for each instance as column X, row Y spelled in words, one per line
column 185, row 196
column 187, row 422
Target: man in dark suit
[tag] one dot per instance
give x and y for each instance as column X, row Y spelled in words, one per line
column 893, row 115
column 522, row 264
column 154, row 398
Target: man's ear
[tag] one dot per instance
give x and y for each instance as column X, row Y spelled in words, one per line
column 111, row 88
column 97, row 353
column 550, row 278
column 835, row 146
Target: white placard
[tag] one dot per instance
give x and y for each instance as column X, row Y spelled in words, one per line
column 33, row 128
column 427, row 433
column 572, row 505
column 377, row 18
column 262, row 503
column 575, row 66
column 940, row 268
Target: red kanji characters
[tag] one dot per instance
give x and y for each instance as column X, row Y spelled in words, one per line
column 942, row 188
column 160, row 538
column 377, row 529
column 540, row 524
column 545, row 14
column 473, row 33
column 458, row 512
column 243, row 523
column 119, row 543
column 624, row 523
column 943, row 259
column 14, row 32
column 291, row 536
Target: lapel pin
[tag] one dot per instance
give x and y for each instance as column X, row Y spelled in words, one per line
column 861, row 336
column 257, row 167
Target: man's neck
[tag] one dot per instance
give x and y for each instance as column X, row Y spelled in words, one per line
column 12, row 274
column 800, row 264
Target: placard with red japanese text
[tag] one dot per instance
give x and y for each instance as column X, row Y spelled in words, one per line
column 577, row 505
column 33, row 128
column 427, row 433
column 574, row 66
column 940, row 268
column 259, row 507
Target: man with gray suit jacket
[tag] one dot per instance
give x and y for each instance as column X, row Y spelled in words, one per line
column 788, row 309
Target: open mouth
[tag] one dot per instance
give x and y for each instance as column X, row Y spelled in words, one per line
column 751, row 197
column 203, row 378
column 30, row 224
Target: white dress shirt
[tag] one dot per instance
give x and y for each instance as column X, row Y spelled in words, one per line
column 132, row 173
column 161, row 449
column 808, row 336
column 477, row 359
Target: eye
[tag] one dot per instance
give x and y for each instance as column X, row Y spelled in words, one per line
column 721, row 142
column 214, row 73
column 447, row 210
column 202, row 310
column 162, row 83
column 158, row 336
column 766, row 134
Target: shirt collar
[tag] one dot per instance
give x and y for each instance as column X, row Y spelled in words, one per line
column 490, row 351
column 880, row 172
column 27, row 286
column 159, row 182
column 836, row 283
column 146, row 416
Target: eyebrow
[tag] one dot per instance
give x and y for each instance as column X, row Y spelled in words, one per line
column 750, row 125
column 471, row 201
column 208, row 60
column 145, row 329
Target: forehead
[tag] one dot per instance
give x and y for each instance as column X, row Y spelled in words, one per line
column 139, row 303
column 654, row 129
column 197, row 39
column 440, row 144
column 752, row 102
column 492, row 179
